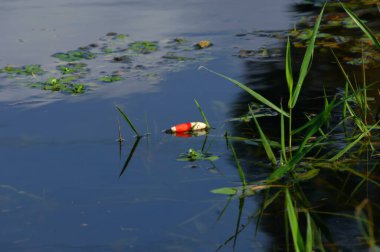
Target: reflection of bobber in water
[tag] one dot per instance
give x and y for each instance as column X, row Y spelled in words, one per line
column 190, row 133
column 187, row 127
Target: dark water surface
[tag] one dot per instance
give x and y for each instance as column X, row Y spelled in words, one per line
column 60, row 188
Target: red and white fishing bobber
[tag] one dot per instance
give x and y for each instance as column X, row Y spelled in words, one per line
column 186, row 127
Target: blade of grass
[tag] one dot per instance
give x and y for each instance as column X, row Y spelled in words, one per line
column 309, row 234
column 128, row 121
column 352, row 144
column 306, row 62
column 264, row 140
column 361, row 25
column 240, row 169
column 288, row 70
column 256, row 95
column 283, row 147
column 294, row 225
column 202, row 114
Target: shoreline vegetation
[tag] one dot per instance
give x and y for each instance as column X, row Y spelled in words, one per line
column 341, row 140
column 340, row 143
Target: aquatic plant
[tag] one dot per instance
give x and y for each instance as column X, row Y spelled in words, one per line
column 66, row 85
column 300, row 154
column 110, row 78
column 144, row 47
column 23, row 70
column 74, row 55
column 74, row 68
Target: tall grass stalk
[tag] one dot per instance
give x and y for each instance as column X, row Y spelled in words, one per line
column 307, row 61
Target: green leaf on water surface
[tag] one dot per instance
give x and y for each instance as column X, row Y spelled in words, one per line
column 73, row 67
column 74, row 55
column 112, row 78
column 225, row 191
column 144, row 47
column 23, row 70
column 61, row 84
column 193, row 155
column 121, row 36
column 173, row 56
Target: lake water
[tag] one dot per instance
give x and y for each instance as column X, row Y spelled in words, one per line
column 60, row 188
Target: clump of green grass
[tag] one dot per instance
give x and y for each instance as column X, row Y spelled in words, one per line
column 297, row 156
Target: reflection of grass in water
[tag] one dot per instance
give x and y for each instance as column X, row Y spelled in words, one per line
column 301, row 153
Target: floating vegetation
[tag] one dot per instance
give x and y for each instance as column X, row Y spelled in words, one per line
column 66, row 85
column 75, row 55
column 203, row 44
column 339, row 30
column 144, row 47
column 193, row 155
column 112, row 78
column 74, row 67
column 316, row 152
column 135, row 60
column 122, row 59
column 173, row 56
column 23, row 70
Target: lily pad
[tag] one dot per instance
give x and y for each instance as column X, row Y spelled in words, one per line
column 193, row 155
column 203, row 44
column 74, row 55
column 23, row 70
column 73, row 67
column 173, row 56
column 144, row 47
column 61, row 84
column 112, row 78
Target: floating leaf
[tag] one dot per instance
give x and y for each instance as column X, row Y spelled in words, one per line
column 225, row 191
column 203, row 44
column 73, row 67
column 23, row 70
column 193, row 155
column 144, row 47
column 112, row 78
column 74, row 55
